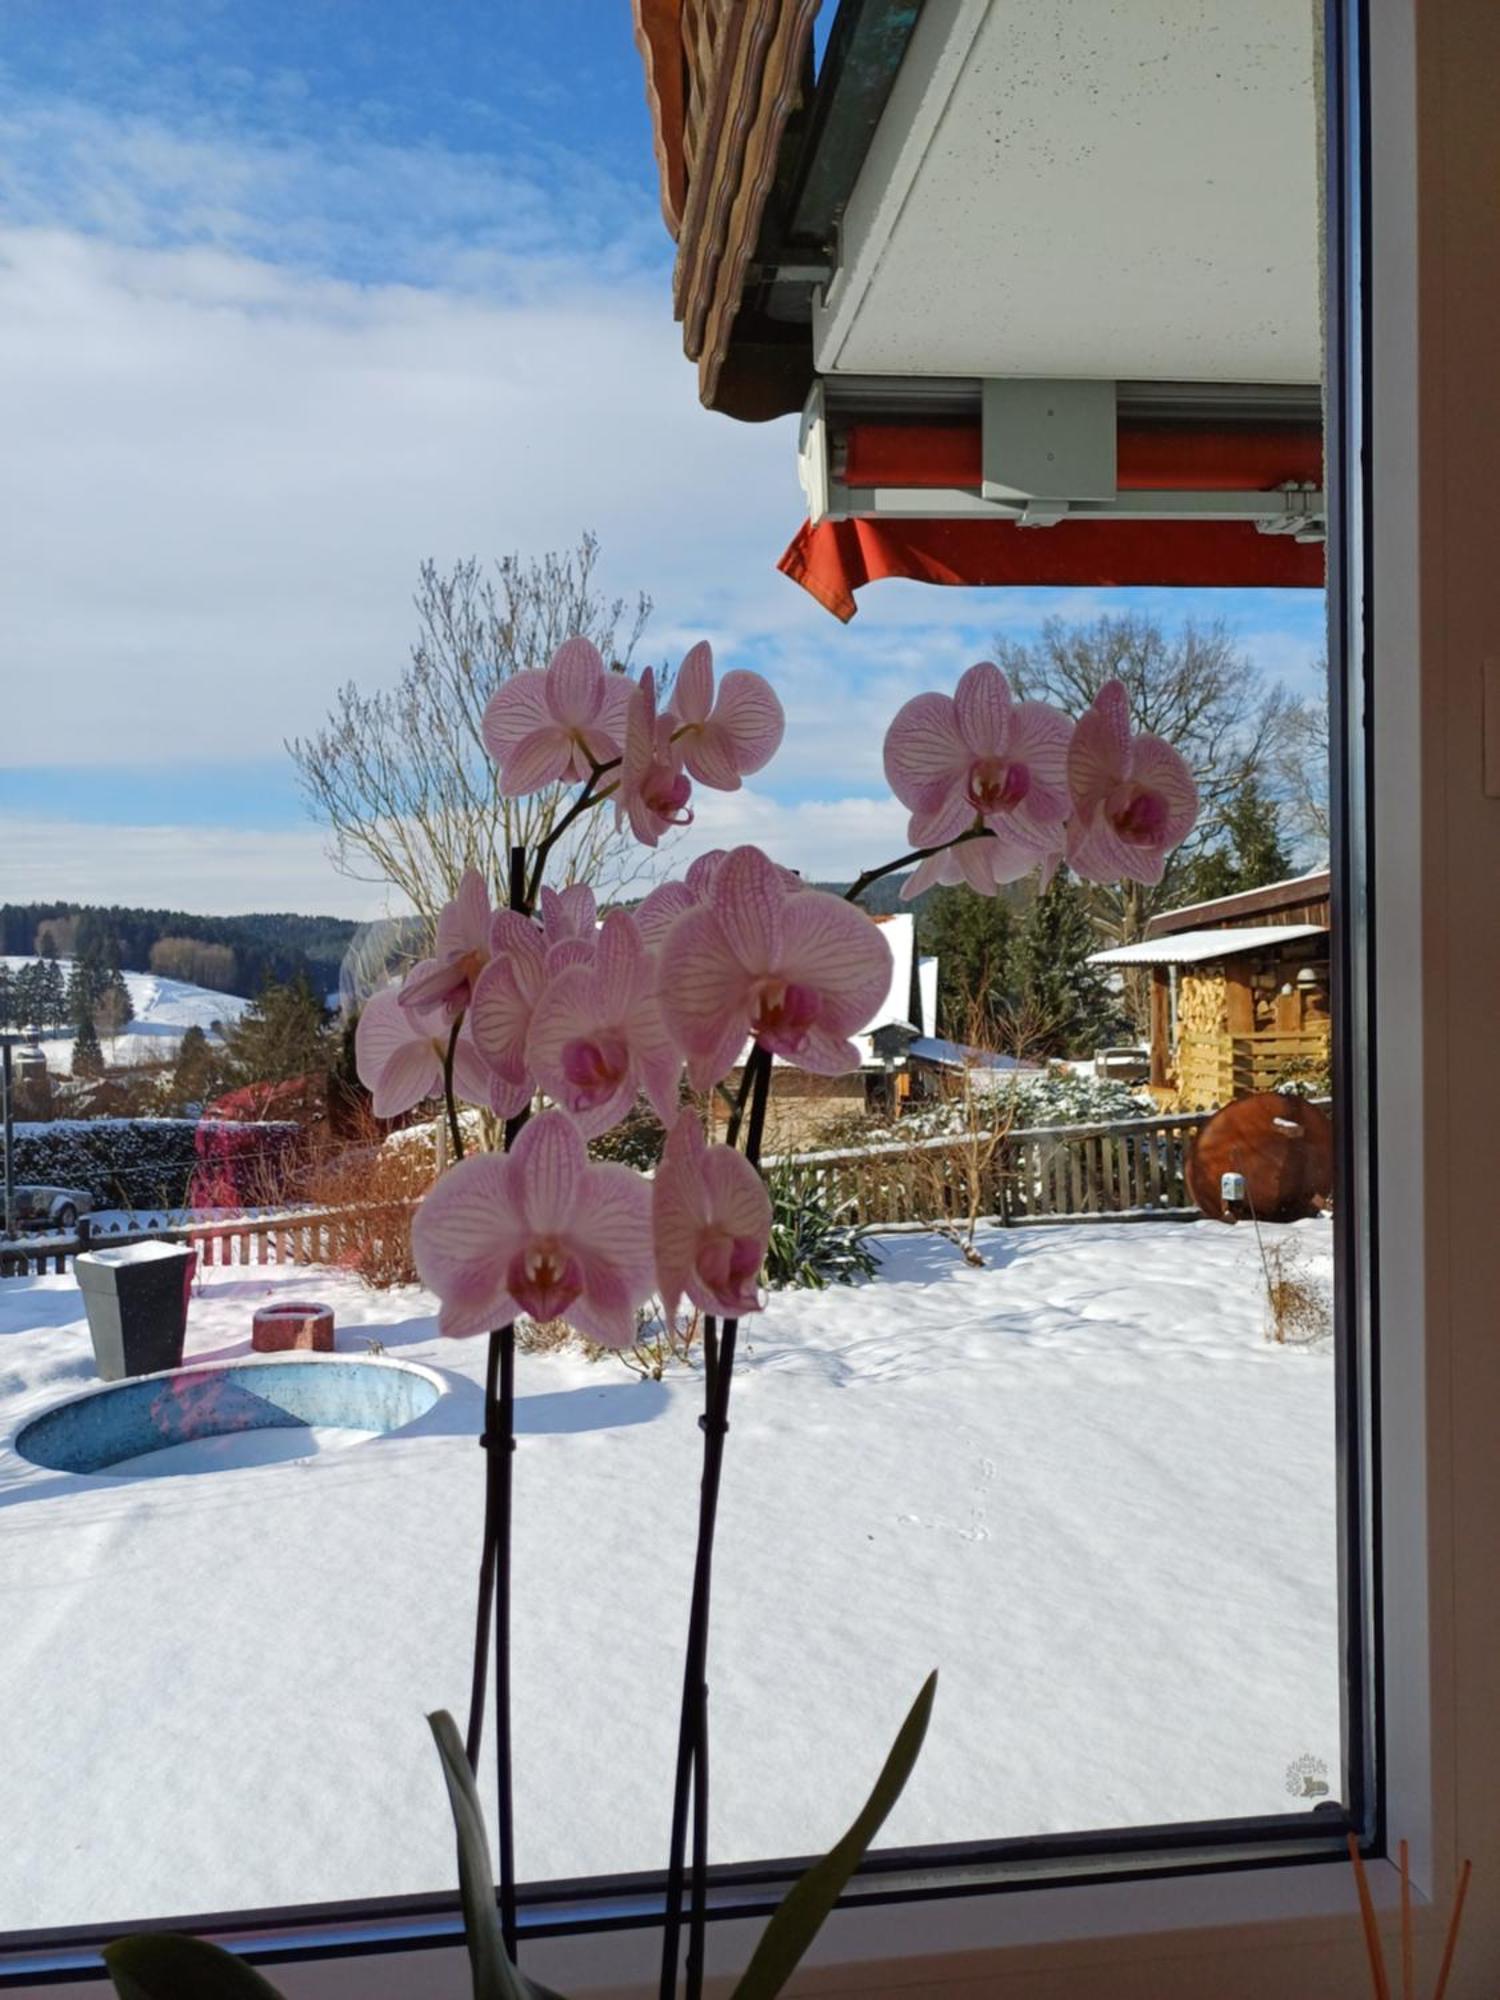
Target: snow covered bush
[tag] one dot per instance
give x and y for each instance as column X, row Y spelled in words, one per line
column 141, row 1163
column 815, row 1240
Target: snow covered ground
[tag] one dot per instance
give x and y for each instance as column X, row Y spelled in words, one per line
column 1080, row 1482
column 164, row 1010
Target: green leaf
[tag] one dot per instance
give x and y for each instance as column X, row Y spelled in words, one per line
column 495, row 1977
column 807, row 1903
column 163, row 1966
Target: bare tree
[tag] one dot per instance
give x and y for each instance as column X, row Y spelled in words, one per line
column 1302, row 766
column 402, row 778
column 1195, row 688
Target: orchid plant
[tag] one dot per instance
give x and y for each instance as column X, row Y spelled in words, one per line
column 559, row 1023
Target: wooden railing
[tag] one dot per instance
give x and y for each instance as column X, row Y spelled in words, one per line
column 1043, row 1173
column 1131, row 1167
column 291, row 1236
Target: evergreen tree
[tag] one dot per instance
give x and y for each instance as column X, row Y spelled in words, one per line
column 282, row 1033
column 28, row 995
column 1252, row 853
column 196, row 1074
column 52, row 994
column 7, row 996
column 114, row 1011
column 1067, row 1002
column 972, row 937
column 80, row 996
column 88, row 1057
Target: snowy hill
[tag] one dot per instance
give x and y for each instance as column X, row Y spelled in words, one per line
column 164, row 1010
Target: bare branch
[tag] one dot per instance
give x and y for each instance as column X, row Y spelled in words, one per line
column 400, row 776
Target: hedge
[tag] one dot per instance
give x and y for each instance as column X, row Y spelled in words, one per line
column 162, row 1162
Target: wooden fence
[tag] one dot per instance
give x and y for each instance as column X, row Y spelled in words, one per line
column 1042, row 1173
column 293, row 1236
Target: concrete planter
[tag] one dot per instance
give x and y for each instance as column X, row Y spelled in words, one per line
column 292, row 1324
column 136, row 1298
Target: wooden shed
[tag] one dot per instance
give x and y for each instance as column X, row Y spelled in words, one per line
column 1239, row 992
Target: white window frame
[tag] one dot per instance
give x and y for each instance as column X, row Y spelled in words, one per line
column 1434, row 541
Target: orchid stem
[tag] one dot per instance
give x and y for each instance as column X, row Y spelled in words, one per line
column 501, row 1456
column 586, row 800
column 493, row 1608
column 455, row 1136
column 691, row 1785
column 872, row 875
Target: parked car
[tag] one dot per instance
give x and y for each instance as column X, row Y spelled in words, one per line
column 53, row 1207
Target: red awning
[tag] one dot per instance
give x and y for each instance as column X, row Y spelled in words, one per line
column 833, row 559
column 1222, row 460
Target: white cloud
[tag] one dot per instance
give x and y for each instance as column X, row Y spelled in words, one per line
column 828, row 840
column 208, row 870
column 224, row 475
column 222, row 871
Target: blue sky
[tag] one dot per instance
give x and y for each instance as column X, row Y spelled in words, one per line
column 294, row 296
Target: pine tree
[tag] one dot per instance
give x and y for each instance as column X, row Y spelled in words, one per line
column 7, row 997
column 1067, row 1001
column 28, row 995
column 1251, row 854
column 113, row 1011
column 88, row 1057
column 282, row 1033
column 81, row 996
column 52, row 994
column 195, row 1074
column 972, row 937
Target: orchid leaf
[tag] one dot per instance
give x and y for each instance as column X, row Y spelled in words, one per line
column 495, row 1977
column 162, row 1965
column 810, row 1899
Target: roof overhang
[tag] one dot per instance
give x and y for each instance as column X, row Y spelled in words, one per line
column 1102, row 192
column 1046, row 291
column 1205, row 947
column 1296, row 893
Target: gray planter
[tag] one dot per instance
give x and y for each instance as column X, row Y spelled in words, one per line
column 136, row 1298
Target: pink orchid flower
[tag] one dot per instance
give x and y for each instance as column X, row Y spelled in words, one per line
column 399, row 1053
column 979, row 757
column 797, row 969
column 724, row 740
column 984, row 865
column 656, row 913
column 653, row 791
column 509, row 990
column 710, row 1224
column 542, row 728
column 541, row 1230
column 1134, row 799
column 599, row 1040
column 462, row 951
column 569, row 914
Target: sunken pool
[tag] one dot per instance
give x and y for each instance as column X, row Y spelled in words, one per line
column 239, row 1413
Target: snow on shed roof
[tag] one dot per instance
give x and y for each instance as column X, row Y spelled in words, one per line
column 1201, row 947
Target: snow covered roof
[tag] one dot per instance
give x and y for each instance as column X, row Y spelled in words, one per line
column 956, row 1055
column 1201, row 947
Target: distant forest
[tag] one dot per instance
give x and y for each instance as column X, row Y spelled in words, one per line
column 239, row 954
column 226, row 954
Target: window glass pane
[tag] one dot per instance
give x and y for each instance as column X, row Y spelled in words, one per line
column 1045, row 1392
